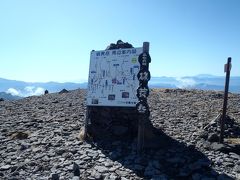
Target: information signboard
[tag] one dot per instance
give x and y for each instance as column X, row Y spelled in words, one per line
column 113, row 77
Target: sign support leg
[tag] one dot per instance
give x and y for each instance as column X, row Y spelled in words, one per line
column 86, row 121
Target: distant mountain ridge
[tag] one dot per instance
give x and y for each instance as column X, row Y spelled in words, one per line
column 5, row 84
column 203, row 81
column 7, row 96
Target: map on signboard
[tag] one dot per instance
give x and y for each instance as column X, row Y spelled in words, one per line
column 113, row 78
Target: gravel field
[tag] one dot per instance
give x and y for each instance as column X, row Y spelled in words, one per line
column 39, row 139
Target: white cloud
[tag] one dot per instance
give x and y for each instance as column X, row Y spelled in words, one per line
column 13, row 92
column 185, row 82
column 29, row 88
column 27, row 91
column 38, row 91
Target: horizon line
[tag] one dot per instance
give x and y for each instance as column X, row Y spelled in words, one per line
column 86, row 80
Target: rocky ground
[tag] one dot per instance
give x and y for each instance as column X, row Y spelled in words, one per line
column 38, row 139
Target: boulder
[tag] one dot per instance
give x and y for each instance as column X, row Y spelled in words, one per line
column 63, row 91
column 46, row 91
column 213, row 137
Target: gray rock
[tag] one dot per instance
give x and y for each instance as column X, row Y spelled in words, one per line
column 218, row 147
column 96, row 175
column 237, row 168
column 203, row 134
column 5, row 167
column 54, row 176
column 60, row 151
column 101, row 169
column 76, row 169
column 213, row 137
column 75, row 178
column 111, row 177
column 108, row 164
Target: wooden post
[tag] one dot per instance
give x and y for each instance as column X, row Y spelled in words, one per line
column 227, row 69
column 142, row 117
column 86, row 123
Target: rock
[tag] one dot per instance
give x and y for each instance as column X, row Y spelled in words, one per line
column 54, row 176
column 101, row 169
column 213, row 137
column 123, row 178
column 203, row 134
column 60, row 151
column 96, row 175
column 119, row 45
column 76, row 169
column 5, row 167
column 24, row 146
column 46, row 92
column 19, row 135
column 218, row 147
column 112, row 177
column 75, row 178
column 237, row 168
column 1, row 99
column 63, row 91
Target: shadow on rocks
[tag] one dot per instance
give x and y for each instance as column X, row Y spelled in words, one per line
column 164, row 157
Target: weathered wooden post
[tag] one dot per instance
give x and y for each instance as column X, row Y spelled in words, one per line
column 142, row 93
column 227, row 69
column 86, row 122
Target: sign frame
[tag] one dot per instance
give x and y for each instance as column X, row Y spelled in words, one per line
column 112, row 80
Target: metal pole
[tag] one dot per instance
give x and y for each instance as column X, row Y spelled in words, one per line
column 141, row 117
column 227, row 68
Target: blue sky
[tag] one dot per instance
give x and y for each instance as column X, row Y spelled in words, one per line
column 51, row 40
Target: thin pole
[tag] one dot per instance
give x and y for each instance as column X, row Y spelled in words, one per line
column 227, row 70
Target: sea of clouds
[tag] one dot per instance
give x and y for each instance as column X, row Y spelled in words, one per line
column 185, row 82
column 27, row 91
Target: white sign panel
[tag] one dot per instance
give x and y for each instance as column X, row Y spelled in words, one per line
column 113, row 78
